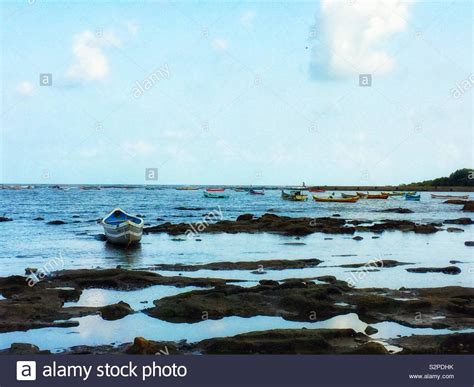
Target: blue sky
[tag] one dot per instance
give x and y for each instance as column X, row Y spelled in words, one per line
column 237, row 92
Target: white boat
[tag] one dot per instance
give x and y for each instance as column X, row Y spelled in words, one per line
column 121, row 228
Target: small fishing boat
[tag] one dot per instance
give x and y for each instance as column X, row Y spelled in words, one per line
column 449, row 196
column 295, row 196
column 239, row 189
column 335, row 200
column 413, row 197
column 372, row 196
column 394, row 193
column 315, row 189
column 121, row 228
column 215, row 189
column 212, row 195
column 187, row 188
column 347, row 196
column 256, row 192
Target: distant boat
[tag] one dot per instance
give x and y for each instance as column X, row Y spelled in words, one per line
column 239, row 189
column 121, row 228
column 212, row 195
column 314, row 189
column 394, row 193
column 413, row 197
column 449, row 196
column 187, row 188
column 348, row 196
column 215, row 189
column 256, row 192
column 372, row 196
column 335, row 200
column 295, row 196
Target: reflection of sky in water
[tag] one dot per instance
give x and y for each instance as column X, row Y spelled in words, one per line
column 102, row 297
column 93, row 330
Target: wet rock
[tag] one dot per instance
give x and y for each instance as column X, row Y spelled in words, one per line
column 357, row 238
column 4, row 219
column 142, row 346
column 370, row 330
column 456, row 343
column 270, row 264
column 444, row 270
column 268, row 283
column 336, row 215
column 56, row 222
column 463, row 221
column 182, row 208
column 160, row 219
column 454, row 229
column 468, row 206
column 398, row 210
column 30, row 270
column 377, row 263
column 293, row 341
column 76, row 216
column 328, row 239
column 244, row 217
column 38, row 218
column 24, row 349
column 455, row 201
column 469, row 243
column 116, row 311
column 375, row 237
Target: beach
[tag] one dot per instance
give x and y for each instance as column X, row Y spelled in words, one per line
column 244, row 274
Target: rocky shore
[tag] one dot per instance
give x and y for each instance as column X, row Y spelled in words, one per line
column 284, row 225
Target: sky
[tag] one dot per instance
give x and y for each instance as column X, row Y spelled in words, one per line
column 261, row 93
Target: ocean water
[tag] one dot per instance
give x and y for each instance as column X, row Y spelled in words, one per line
column 26, row 242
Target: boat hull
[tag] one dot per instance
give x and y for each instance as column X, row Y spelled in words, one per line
column 449, row 196
column 336, row 200
column 211, row 195
column 121, row 228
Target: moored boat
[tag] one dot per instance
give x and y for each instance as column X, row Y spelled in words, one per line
column 187, row 188
column 256, row 192
column 295, row 196
column 347, row 196
column 315, row 189
column 335, row 200
column 434, row 196
column 121, row 228
column 372, row 196
column 215, row 189
column 413, row 197
column 213, row 195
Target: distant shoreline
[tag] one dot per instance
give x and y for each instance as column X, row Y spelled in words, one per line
column 360, row 188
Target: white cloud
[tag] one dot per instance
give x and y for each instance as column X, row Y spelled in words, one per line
column 247, row 18
column 91, row 64
column 355, row 34
column 25, row 88
column 220, row 44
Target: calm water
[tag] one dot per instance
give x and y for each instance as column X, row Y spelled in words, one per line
column 26, row 242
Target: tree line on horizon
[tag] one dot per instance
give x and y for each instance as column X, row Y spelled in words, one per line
column 461, row 178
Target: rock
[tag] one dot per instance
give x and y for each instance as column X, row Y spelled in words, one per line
column 76, row 216
column 142, row 346
column 455, row 343
column 398, row 210
column 455, row 201
column 336, row 215
column 181, row 208
column 375, row 237
column 244, row 217
column 357, row 238
column 4, row 219
column 160, row 219
column 268, row 283
column 468, row 206
column 56, row 222
column 454, row 262
column 469, row 243
column 38, row 218
column 328, row 239
column 370, row 330
column 463, row 221
column 454, row 229
column 444, row 270
column 30, row 270
column 116, row 311
column 23, row 349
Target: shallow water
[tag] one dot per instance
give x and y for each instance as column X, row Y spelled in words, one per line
column 30, row 243
column 93, row 330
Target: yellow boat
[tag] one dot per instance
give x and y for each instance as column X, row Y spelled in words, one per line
column 335, row 200
column 295, row 196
